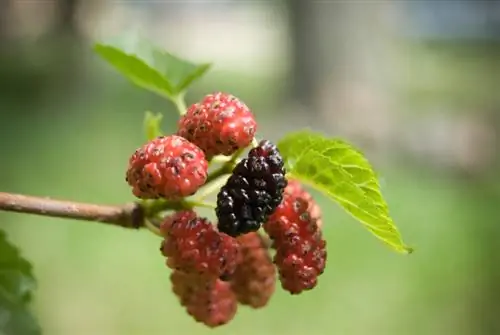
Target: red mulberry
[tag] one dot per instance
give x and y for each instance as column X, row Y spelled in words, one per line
column 193, row 245
column 295, row 188
column 300, row 249
column 220, row 124
column 254, row 280
column 208, row 300
column 167, row 167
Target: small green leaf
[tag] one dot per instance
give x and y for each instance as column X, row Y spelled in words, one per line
column 152, row 125
column 16, row 286
column 136, row 70
column 149, row 66
column 193, row 75
column 341, row 172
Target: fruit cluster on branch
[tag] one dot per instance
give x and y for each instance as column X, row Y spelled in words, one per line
column 218, row 266
column 267, row 229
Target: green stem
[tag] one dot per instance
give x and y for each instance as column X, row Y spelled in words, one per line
column 225, row 169
column 200, row 203
column 152, row 228
column 255, row 142
column 221, row 159
column 153, row 207
column 211, row 188
column 213, row 183
column 180, row 103
column 234, row 158
column 214, row 180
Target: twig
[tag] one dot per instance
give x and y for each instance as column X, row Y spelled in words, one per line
column 127, row 216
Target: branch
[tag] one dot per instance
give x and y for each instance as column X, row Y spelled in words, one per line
column 127, row 216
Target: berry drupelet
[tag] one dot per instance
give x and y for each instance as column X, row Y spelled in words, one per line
column 179, row 216
column 252, row 192
column 296, row 189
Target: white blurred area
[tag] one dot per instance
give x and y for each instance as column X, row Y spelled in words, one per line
column 249, row 36
column 362, row 72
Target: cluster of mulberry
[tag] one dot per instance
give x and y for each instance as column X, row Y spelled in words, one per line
column 218, row 266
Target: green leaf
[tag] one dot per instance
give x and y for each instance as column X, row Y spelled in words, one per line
column 149, row 66
column 152, row 125
column 16, row 286
column 342, row 173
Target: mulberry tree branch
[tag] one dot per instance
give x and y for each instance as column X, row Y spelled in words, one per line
column 128, row 216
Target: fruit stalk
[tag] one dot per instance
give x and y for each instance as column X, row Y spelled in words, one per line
column 127, row 216
column 180, row 104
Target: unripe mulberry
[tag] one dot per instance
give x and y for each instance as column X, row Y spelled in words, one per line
column 300, row 248
column 207, row 299
column 193, row 245
column 167, row 167
column 219, row 124
column 254, row 280
column 252, row 192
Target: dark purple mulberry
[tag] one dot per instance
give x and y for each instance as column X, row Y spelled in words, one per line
column 253, row 191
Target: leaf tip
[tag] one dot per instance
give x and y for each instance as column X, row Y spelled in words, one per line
column 407, row 250
column 206, row 66
column 97, row 46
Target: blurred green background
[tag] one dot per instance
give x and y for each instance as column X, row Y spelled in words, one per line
column 414, row 84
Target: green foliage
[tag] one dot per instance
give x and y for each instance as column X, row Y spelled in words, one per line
column 152, row 125
column 16, row 285
column 343, row 174
column 149, row 66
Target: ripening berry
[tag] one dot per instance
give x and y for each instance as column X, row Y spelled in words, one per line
column 254, row 280
column 300, row 248
column 252, row 192
column 207, row 299
column 183, row 215
column 295, row 188
column 300, row 262
column 193, row 245
column 167, row 167
column 219, row 124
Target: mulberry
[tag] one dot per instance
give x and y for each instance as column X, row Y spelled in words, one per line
column 220, row 124
column 300, row 248
column 252, row 192
column 254, row 280
column 194, row 245
column 167, row 167
column 207, row 299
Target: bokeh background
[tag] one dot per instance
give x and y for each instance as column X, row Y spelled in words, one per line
column 414, row 84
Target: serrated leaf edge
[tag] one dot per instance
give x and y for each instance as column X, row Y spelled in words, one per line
column 400, row 247
column 380, row 208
